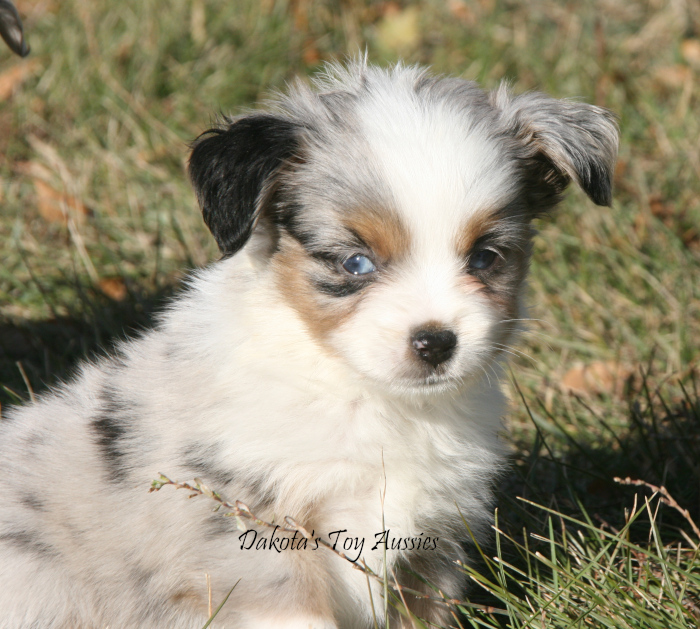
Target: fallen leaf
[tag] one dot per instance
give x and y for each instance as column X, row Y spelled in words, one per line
column 390, row 8
column 113, row 287
column 300, row 11
column 672, row 77
column 399, row 30
column 676, row 220
column 311, row 55
column 13, row 77
column 574, row 380
column 659, row 208
column 596, row 378
column 462, row 11
column 55, row 206
column 690, row 50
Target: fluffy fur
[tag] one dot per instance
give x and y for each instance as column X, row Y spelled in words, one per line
column 375, row 237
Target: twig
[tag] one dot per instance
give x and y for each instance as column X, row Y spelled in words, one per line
column 240, row 511
column 664, row 497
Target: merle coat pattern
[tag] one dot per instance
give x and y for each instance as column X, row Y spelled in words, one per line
column 375, row 235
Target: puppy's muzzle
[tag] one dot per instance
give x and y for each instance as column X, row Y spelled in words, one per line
column 434, row 346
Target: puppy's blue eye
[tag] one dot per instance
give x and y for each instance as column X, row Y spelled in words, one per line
column 482, row 259
column 359, row 265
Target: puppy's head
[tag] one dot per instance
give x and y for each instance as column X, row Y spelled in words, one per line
column 393, row 210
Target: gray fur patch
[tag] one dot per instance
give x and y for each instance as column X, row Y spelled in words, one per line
column 33, row 502
column 29, row 542
column 203, row 461
column 111, row 427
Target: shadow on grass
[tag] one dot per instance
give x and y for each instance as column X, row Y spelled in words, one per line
column 548, row 484
column 47, row 351
column 660, row 444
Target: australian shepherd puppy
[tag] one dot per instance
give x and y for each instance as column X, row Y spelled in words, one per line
column 338, row 365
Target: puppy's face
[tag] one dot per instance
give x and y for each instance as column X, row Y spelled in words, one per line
column 395, row 212
column 406, row 257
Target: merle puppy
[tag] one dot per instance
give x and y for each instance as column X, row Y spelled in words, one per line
column 339, row 365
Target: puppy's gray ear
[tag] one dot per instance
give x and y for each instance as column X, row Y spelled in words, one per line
column 233, row 167
column 565, row 140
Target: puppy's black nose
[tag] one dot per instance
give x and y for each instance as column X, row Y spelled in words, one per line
column 434, row 346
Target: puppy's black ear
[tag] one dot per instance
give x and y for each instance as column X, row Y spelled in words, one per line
column 565, row 140
column 231, row 169
column 11, row 29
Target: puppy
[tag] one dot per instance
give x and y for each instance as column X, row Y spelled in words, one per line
column 339, row 365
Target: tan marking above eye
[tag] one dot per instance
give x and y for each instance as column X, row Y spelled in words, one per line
column 382, row 230
column 473, row 229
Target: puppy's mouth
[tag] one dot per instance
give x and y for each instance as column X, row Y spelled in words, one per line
column 450, row 376
column 429, row 381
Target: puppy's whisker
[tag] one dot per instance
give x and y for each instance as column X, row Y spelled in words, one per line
column 483, row 369
column 523, row 319
column 513, row 351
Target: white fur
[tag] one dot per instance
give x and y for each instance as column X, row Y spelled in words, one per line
column 285, row 411
column 340, row 431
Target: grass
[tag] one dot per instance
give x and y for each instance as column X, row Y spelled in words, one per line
column 98, row 225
